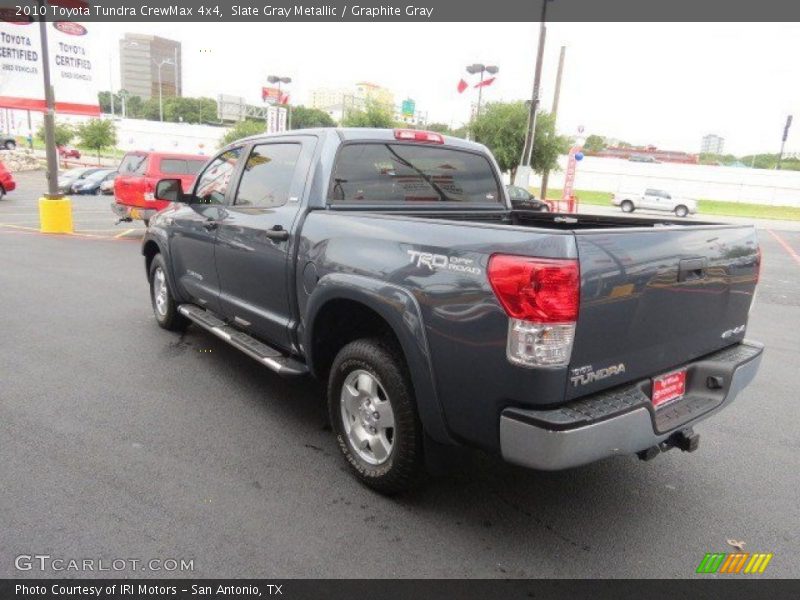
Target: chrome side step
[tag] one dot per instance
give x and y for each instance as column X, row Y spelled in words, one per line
column 266, row 355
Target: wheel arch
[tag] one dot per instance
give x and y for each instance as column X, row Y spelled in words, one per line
column 372, row 306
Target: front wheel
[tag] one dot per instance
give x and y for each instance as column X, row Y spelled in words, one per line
column 374, row 416
column 164, row 306
column 10, row 145
column 681, row 211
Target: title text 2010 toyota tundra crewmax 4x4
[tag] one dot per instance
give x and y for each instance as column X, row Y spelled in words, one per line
column 389, row 264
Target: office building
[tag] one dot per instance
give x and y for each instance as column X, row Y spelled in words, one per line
column 141, row 59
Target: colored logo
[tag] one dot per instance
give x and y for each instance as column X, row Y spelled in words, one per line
column 733, row 563
column 70, row 28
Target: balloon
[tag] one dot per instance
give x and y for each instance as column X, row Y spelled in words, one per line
column 579, row 156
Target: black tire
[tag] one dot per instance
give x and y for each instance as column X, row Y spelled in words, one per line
column 10, row 145
column 146, row 222
column 2, row 192
column 403, row 465
column 169, row 318
column 627, row 206
column 98, row 192
column 681, row 211
column 544, row 208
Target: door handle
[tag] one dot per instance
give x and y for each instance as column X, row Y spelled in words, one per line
column 277, row 233
column 692, row 268
column 210, row 225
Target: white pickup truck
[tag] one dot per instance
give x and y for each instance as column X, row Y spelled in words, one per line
column 653, row 199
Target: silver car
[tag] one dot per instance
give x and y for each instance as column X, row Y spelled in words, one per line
column 653, row 199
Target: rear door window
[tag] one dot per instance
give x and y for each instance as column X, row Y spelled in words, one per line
column 267, row 175
column 391, row 173
column 133, row 164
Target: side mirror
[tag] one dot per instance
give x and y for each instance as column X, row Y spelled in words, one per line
column 170, row 190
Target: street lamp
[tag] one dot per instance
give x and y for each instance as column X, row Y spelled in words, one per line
column 159, row 64
column 279, row 80
column 480, row 68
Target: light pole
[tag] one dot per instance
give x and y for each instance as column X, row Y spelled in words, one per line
column 55, row 210
column 111, row 85
column 480, row 68
column 523, row 171
column 159, row 64
column 279, row 80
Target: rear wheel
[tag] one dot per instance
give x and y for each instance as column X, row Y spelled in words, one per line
column 164, row 306
column 2, row 192
column 627, row 206
column 374, row 416
column 98, row 192
column 681, row 211
column 10, row 144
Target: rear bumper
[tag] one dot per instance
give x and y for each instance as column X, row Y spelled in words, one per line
column 623, row 421
column 132, row 212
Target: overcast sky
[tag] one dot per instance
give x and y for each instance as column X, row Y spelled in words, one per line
column 665, row 84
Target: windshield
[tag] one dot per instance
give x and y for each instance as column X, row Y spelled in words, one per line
column 378, row 173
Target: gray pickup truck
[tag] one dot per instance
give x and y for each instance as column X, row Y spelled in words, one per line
column 390, row 265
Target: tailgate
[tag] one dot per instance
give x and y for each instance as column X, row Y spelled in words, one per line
column 654, row 299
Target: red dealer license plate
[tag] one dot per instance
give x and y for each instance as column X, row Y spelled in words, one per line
column 668, row 387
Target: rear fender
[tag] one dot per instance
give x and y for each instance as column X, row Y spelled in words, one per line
column 398, row 307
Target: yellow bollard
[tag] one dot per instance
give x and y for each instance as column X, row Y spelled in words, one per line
column 55, row 215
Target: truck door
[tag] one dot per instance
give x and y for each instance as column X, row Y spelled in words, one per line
column 194, row 231
column 651, row 199
column 256, row 238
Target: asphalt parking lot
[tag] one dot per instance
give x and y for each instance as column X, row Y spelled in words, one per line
column 121, row 440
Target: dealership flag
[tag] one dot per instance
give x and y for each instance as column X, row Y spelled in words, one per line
column 462, row 85
column 485, row 82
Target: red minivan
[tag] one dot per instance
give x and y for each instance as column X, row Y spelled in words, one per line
column 7, row 183
column 139, row 173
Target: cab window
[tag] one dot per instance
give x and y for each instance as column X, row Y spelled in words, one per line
column 267, row 175
column 213, row 184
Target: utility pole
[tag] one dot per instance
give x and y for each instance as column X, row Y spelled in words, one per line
column 783, row 140
column 523, row 171
column 556, row 98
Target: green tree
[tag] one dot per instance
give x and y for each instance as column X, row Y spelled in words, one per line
column 64, row 133
column 501, row 127
column 189, row 110
column 242, row 129
column 442, row 128
column 97, row 134
column 303, row 118
column 134, row 107
column 594, row 143
column 374, row 114
column 104, row 100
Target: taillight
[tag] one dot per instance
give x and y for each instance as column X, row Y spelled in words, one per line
column 149, row 190
column 415, row 135
column 541, row 296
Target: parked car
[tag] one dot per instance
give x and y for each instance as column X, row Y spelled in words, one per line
column 7, row 183
column 67, row 178
column 64, row 152
column 8, row 142
column 653, row 199
column 138, row 174
column 91, row 183
column 107, row 185
column 389, row 264
column 522, row 199
column 642, row 158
